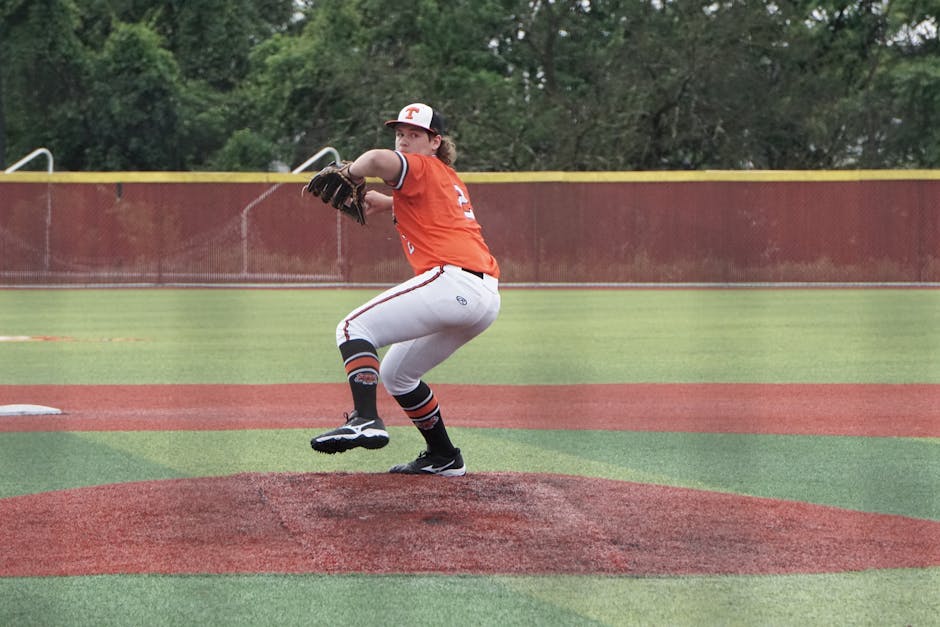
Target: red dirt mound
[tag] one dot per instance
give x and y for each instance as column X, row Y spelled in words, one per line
column 483, row 523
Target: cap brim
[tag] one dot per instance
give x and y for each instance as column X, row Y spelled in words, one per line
column 394, row 123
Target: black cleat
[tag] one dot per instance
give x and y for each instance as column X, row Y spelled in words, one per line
column 365, row 432
column 428, row 464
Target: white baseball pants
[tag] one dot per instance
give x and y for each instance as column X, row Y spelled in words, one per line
column 424, row 320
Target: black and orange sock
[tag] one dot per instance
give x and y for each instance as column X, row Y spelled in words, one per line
column 362, row 371
column 423, row 410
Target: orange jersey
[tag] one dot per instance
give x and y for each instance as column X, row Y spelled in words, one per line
column 435, row 219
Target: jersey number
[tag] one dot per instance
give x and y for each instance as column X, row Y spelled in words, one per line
column 463, row 200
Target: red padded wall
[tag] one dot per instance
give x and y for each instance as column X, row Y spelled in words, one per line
column 696, row 231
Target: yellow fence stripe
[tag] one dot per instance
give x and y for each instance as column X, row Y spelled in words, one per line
column 489, row 177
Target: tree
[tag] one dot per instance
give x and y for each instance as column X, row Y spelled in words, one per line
column 526, row 84
column 902, row 121
column 43, row 76
column 135, row 112
column 211, row 42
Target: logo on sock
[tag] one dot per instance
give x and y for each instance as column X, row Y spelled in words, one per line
column 428, row 423
column 366, row 378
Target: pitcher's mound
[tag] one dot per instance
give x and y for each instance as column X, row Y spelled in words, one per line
column 482, row 523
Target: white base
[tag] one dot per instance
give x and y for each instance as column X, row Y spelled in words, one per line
column 27, row 410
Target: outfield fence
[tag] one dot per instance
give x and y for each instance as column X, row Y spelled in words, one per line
column 544, row 228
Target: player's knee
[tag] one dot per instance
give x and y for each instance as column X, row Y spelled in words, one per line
column 349, row 330
column 395, row 380
column 397, row 387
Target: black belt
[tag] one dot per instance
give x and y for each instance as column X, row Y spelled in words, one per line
column 473, row 272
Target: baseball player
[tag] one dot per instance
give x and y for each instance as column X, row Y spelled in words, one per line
column 453, row 297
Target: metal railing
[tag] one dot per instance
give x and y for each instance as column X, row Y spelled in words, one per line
column 328, row 150
column 39, row 152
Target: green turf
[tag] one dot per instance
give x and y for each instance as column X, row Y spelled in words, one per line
column 541, row 336
column 40, row 462
column 885, row 475
column 891, row 597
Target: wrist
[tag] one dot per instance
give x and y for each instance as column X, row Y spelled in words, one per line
column 349, row 171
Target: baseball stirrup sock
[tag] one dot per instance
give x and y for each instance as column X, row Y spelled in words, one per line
column 362, row 371
column 423, row 410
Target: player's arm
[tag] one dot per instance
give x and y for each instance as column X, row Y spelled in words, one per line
column 379, row 162
column 377, row 202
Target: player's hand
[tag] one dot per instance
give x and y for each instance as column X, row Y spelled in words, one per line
column 376, row 202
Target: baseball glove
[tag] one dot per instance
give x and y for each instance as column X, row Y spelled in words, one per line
column 334, row 186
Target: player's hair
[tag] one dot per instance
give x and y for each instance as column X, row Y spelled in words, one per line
column 447, row 151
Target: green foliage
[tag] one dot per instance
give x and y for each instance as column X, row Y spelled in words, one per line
column 913, row 92
column 245, row 150
column 44, row 78
column 600, row 85
column 135, row 103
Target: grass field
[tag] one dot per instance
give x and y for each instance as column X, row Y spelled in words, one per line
column 541, row 337
column 231, row 336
